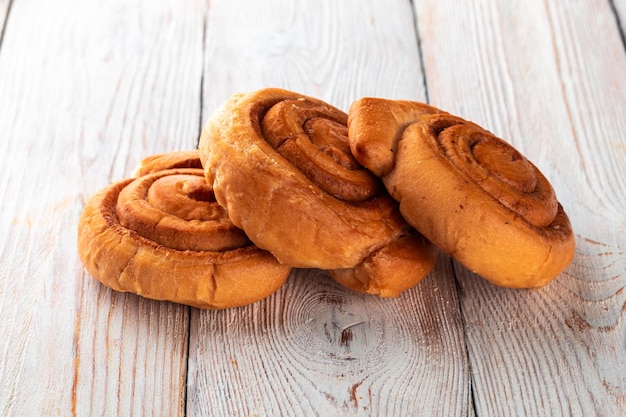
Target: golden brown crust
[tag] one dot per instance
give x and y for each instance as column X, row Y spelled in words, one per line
column 163, row 236
column 470, row 193
column 281, row 165
column 392, row 269
column 168, row 160
column 378, row 124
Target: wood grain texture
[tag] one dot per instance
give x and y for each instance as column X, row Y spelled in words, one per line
column 87, row 90
column 337, row 52
column 548, row 77
column 315, row 348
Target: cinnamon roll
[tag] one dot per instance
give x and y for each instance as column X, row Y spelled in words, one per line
column 470, row 193
column 161, row 235
column 281, row 165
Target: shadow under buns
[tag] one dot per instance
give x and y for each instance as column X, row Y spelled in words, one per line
column 469, row 192
column 161, row 235
column 280, row 163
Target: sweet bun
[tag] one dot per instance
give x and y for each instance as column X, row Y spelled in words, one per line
column 161, row 235
column 467, row 191
column 280, row 163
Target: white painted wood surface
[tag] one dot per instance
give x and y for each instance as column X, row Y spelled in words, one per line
column 86, row 90
column 89, row 88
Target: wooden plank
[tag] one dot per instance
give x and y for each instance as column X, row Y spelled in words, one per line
column 335, row 52
column 88, row 89
column 548, row 77
column 314, row 348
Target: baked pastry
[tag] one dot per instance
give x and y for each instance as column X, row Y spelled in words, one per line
column 163, row 236
column 168, row 160
column 280, row 163
column 469, row 192
column 391, row 270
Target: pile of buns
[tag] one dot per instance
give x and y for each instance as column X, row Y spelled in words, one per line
column 281, row 180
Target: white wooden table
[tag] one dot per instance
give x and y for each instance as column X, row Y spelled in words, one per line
column 88, row 88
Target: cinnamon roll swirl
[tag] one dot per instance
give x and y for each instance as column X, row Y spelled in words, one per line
column 161, row 235
column 469, row 192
